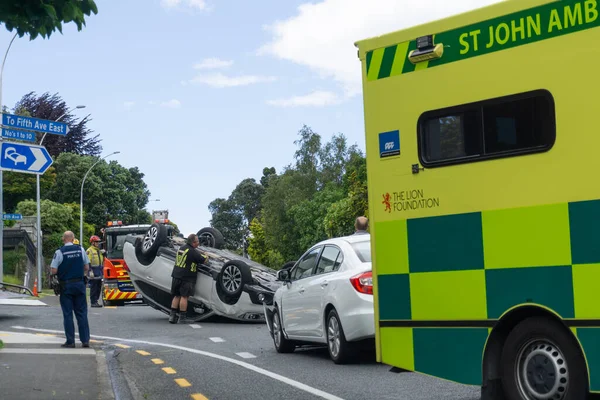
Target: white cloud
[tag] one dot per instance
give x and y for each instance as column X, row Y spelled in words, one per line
column 318, row 98
column 129, row 105
column 197, row 4
column 173, row 103
column 219, row 80
column 321, row 36
column 213, row 63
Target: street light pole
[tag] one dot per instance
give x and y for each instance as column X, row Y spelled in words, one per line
column 81, row 196
column 39, row 213
column 1, row 175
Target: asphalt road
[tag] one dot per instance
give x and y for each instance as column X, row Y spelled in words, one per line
column 148, row 358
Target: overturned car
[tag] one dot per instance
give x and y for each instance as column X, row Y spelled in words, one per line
column 228, row 285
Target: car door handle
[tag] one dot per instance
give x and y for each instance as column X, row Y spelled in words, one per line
column 301, row 290
column 324, row 284
column 149, row 278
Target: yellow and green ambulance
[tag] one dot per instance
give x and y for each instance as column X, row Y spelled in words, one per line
column 483, row 159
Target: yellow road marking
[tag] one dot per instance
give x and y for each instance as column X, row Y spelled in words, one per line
column 45, row 334
column 157, row 361
column 142, row 352
column 96, row 341
column 198, row 396
column 123, row 346
column 183, row 382
column 169, row 370
column 5, row 334
column 111, row 307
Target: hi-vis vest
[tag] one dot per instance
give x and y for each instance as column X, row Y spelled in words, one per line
column 94, row 256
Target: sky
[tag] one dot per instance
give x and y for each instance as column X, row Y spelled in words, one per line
column 201, row 94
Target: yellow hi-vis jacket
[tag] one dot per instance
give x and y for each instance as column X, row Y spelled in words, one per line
column 95, row 256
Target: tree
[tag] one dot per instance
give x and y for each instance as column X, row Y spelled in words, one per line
column 227, row 219
column 51, row 107
column 19, row 186
column 258, row 249
column 43, row 17
column 111, row 191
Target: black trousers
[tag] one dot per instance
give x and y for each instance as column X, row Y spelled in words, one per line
column 95, row 289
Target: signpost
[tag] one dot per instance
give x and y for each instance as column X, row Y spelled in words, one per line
column 12, row 217
column 28, row 158
column 35, row 124
column 18, row 134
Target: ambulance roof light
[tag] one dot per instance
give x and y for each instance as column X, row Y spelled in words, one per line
column 426, row 50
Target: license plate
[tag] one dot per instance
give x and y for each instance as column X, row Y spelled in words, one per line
column 138, row 296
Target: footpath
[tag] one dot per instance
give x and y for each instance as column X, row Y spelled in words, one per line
column 34, row 366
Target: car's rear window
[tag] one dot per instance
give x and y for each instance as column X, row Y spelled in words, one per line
column 363, row 250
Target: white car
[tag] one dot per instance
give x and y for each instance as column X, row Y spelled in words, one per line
column 326, row 297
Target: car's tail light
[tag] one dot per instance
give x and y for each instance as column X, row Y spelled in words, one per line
column 363, row 283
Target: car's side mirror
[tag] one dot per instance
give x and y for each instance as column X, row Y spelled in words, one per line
column 283, row 275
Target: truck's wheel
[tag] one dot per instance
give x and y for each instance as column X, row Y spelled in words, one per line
column 540, row 360
column 211, row 237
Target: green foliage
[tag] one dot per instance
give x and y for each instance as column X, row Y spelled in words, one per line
column 43, row 17
column 15, row 262
column 19, row 187
column 318, row 196
column 110, row 192
column 258, row 250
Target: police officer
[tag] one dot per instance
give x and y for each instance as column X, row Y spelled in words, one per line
column 71, row 263
column 184, row 277
column 96, row 260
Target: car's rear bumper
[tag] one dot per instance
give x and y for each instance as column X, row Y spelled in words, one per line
column 359, row 321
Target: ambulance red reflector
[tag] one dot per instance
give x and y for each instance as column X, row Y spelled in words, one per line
column 363, row 283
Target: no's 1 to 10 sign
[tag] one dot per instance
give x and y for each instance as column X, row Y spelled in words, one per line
column 35, row 124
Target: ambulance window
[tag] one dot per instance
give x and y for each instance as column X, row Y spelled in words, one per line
column 508, row 126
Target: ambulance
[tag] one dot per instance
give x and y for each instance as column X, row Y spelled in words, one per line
column 484, row 203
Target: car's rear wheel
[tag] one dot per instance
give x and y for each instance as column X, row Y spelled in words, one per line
column 339, row 348
column 282, row 345
column 211, row 237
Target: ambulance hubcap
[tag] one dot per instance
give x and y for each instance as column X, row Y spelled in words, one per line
column 542, row 371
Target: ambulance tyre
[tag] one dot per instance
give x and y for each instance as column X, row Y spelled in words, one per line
column 541, row 360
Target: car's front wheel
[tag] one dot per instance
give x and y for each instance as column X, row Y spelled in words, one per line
column 282, row 345
column 339, row 348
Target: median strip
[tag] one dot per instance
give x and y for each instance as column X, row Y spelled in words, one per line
column 157, row 361
column 123, row 346
column 169, row 370
column 142, row 352
column 198, row 396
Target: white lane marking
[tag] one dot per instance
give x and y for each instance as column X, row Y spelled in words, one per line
column 273, row 375
column 76, row 352
column 21, row 302
column 195, row 326
column 244, row 354
column 217, row 339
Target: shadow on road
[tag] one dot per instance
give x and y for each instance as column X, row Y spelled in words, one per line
column 363, row 355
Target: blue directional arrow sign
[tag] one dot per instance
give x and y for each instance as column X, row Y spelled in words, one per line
column 21, row 157
column 12, row 217
column 35, row 124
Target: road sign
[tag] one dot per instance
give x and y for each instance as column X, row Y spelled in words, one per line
column 12, row 217
column 18, row 134
column 35, row 124
column 21, row 157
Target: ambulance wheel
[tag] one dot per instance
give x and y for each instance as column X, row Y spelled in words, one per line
column 541, row 360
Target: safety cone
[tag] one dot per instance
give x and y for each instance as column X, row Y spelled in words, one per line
column 35, row 292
